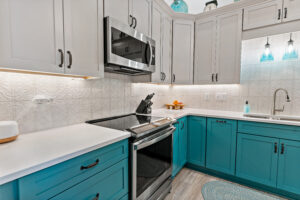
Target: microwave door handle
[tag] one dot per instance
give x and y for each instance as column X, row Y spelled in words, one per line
column 142, row 145
column 151, row 53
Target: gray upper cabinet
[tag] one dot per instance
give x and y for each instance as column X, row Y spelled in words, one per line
column 162, row 34
column 291, row 10
column 264, row 14
column 183, row 51
column 228, row 51
column 118, row 9
column 270, row 13
column 141, row 10
column 205, row 50
column 135, row 13
column 31, row 35
column 218, row 49
column 53, row 36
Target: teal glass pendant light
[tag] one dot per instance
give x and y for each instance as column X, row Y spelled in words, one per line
column 267, row 55
column 290, row 52
column 180, row 6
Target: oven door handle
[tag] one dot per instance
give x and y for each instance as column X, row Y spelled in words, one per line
column 140, row 145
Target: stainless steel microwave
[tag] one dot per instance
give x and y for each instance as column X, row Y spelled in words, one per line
column 127, row 51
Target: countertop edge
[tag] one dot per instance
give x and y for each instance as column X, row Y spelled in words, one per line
column 14, row 176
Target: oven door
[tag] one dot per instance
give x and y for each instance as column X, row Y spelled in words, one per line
column 127, row 50
column 152, row 160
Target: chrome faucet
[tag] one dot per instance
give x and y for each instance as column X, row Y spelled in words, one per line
column 274, row 109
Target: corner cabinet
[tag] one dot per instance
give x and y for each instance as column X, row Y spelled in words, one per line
column 162, row 34
column 221, row 145
column 135, row 13
column 53, row 36
column 183, row 51
column 218, row 49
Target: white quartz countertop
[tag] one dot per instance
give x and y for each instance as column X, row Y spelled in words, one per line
column 36, row 151
column 217, row 114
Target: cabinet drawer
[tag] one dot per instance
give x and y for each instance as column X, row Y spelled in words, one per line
column 52, row 181
column 270, row 130
column 111, row 183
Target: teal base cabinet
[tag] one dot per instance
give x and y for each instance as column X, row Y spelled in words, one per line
column 103, row 173
column 112, row 183
column 257, row 158
column 196, row 140
column 9, row 191
column 179, row 146
column 221, row 145
column 289, row 166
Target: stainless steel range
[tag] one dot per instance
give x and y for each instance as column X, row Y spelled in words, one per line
column 151, row 152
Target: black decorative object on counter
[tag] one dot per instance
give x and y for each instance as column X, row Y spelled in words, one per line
column 145, row 105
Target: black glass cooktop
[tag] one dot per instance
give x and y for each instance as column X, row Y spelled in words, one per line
column 124, row 122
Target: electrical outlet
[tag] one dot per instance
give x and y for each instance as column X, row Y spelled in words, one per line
column 221, row 96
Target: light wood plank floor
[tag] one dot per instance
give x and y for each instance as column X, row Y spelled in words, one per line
column 188, row 184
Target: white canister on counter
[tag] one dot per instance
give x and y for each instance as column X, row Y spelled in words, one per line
column 9, row 131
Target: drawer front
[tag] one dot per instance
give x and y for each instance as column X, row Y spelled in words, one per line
column 109, row 184
column 52, row 181
column 270, row 130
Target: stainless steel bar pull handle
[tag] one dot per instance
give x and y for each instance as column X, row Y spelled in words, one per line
column 285, row 12
column 174, row 78
column 279, row 14
column 70, row 59
column 61, row 57
column 213, row 78
column 131, row 17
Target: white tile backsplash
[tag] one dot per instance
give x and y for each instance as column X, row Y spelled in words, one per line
column 77, row 100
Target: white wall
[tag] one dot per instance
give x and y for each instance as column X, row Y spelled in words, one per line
column 197, row 6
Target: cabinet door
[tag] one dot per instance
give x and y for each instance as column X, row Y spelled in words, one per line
column 221, row 145
column 291, row 10
column 183, row 51
column 111, row 183
column 81, row 37
column 205, row 50
column 263, row 14
column 141, row 10
column 288, row 166
column 175, row 169
column 167, row 49
column 157, row 15
column 118, row 9
column 182, row 142
column 31, row 35
column 196, row 140
column 257, row 158
column 229, row 43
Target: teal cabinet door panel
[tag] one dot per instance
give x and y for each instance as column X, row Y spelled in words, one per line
column 9, row 191
column 221, row 145
column 109, row 184
column 183, row 137
column 196, row 140
column 53, row 180
column 176, row 160
column 289, row 166
column 126, row 197
column 257, row 158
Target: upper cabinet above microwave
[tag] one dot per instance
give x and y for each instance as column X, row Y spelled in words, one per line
column 270, row 13
column 135, row 13
column 52, row 36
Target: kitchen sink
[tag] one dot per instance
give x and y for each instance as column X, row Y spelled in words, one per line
column 276, row 117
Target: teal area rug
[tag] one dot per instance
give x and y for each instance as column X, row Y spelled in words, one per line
column 219, row 190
